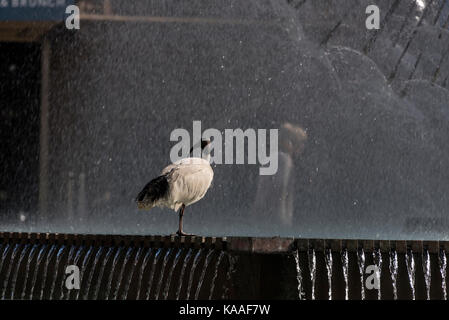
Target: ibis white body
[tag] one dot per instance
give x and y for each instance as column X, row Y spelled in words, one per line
column 188, row 180
column 181, row 183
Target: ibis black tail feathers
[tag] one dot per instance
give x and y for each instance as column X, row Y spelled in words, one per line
column 154, row 190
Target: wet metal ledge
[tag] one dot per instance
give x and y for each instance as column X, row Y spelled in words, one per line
column 234, row 244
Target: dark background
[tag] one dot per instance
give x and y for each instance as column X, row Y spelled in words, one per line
column 19, row 128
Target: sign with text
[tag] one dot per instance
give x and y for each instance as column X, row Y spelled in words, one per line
column 33, row 10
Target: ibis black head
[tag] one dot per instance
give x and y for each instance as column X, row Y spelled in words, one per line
column 204, row 144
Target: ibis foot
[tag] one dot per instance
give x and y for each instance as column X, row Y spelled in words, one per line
column 182, row 233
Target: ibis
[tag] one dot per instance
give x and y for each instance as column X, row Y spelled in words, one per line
column 179, row 185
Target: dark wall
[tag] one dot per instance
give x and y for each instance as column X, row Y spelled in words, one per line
column 19, row 129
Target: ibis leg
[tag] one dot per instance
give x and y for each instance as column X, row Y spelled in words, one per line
column 181, row 214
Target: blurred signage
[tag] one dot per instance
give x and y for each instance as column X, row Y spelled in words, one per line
column 33, row 10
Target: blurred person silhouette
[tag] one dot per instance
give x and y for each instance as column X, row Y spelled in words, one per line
column 274, row 199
